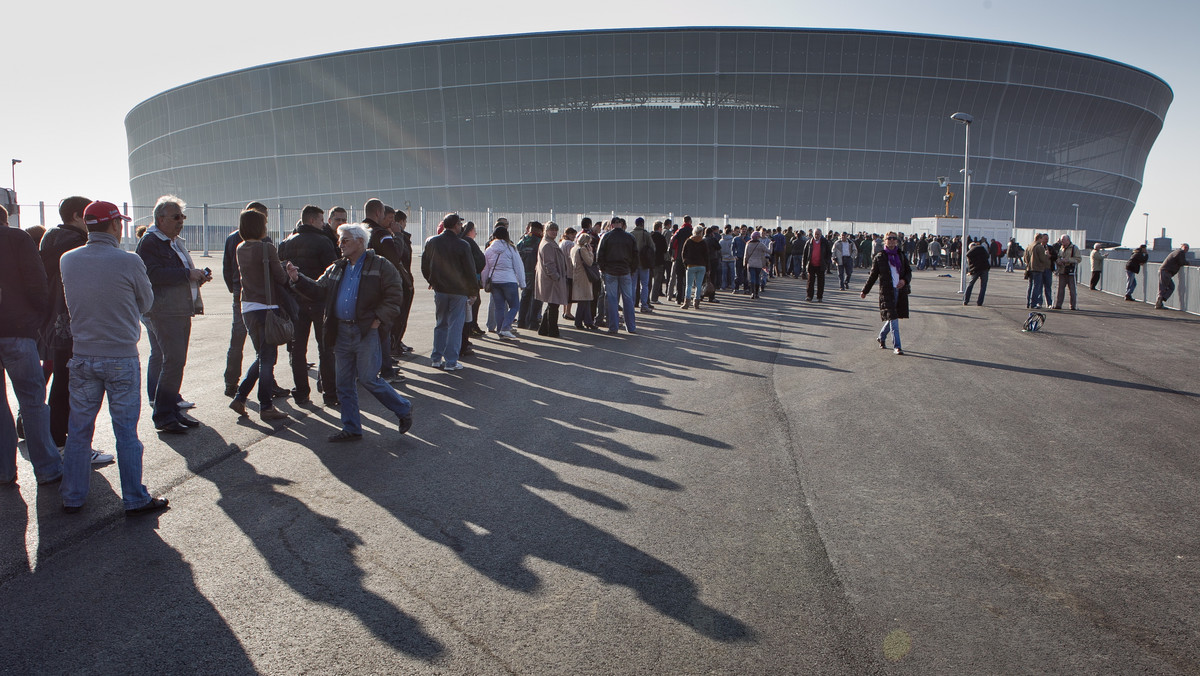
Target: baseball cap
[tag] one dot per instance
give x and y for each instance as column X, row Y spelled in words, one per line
column 100, row 212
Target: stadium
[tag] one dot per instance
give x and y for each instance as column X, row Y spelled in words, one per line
column 753, row 123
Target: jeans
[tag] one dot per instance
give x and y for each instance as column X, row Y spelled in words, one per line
column 695, row 282
column 739, row 280
column 530, row 314
column 892, row 326
column 263, row 368
column 980, row 277
column 1047, row 284
column 642, row 292
column 169, row 335
column 19, row 358
column 358, row 361
column 756, row 278
column 505, row 299
column 91, row 378
column 1130, row 282
column 844, row 269
column 923, row 261
column 622, row 286
column 1008, row 267
column 1035, row 289
column 237, row 342
column 450, row 311
column 727, row 274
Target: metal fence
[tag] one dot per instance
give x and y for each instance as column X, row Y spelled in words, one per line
column 1113, row 280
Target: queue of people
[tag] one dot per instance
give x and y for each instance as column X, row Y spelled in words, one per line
column 76, row 315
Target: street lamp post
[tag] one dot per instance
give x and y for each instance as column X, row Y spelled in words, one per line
column 1076, row 216
column 1146, row 234
column 1014, row 196
column 965, row 120
column 15, row 162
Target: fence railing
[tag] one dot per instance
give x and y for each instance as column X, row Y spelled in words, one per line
column 1113, row 280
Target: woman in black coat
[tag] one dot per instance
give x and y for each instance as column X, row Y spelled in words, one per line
column 891, row 268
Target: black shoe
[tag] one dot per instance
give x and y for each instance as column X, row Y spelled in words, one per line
column 332, row 403
column 466, row 352
column 301, row 401
column 405, row 424
column 72, row 509
column 187, row 420
column 172, row 427
column 345, row 436
column 882, row 343
column 280, row 392
column 154, row 505
column 1128, row 297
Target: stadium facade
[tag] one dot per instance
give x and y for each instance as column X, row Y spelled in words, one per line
column 756, row 123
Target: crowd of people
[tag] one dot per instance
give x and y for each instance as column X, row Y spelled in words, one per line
column 74, row 304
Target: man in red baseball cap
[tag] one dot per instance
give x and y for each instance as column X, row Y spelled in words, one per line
column 107, row 291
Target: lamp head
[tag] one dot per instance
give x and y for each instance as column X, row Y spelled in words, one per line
column 1013, row 193
column 943, row 181
column 964, row 118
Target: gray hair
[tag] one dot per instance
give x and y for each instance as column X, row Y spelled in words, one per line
column 161, row 205
column 356, row 231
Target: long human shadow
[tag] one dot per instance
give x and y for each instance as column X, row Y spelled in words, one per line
column 474, row 487
column 128, row 602
column 311, row 552
column 1051, row 373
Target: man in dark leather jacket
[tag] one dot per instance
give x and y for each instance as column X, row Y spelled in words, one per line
column 309, row 249
column 360, row 292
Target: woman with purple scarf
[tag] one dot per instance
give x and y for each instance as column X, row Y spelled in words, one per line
column 891, row 268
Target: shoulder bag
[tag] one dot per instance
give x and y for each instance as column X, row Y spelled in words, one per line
column 277, row 326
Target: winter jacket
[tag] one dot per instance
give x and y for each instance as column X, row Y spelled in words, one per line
column 503, row 264
column 581, row 284
column 552, row 270
column 448, row 266
column 617, row 254
column 891, row 305
column 24, row 293
column 380, row 294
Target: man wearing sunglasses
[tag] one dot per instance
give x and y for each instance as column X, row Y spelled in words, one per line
column 176, row 282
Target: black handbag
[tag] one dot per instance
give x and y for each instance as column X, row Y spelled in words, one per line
column 277, row 324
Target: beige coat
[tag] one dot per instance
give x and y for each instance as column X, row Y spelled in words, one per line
column 581, row 285
column 550, row 284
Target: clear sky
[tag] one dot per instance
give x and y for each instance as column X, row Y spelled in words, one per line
column 73, row 70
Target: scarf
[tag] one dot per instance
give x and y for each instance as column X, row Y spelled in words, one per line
column 893, row 256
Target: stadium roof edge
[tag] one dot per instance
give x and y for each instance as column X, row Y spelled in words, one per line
column 660, row 29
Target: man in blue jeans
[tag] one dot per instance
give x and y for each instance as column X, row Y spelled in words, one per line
column 107, row 292
column 25, row 300
column 618, row 260
column 361, row 292
column 448, row 264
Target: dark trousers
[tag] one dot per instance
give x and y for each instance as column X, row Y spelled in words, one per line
column 659, row 280
column 679, row 270
column 844, row 270
column 311, row 318
column 401, row 325
column 169, row 336
column 1095, row 279
column 59, row 398
column 980, row 277
column 1166, row 285
column 237, row 342
column 816, row 275
column 530, row 313
column 549, row 325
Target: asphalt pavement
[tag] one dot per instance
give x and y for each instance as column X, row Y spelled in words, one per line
column 753, row 487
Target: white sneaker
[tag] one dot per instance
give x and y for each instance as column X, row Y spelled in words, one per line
column 507, row 335
column 99, row 458
column 187, row 404
column 453, row 367
column 438, row 364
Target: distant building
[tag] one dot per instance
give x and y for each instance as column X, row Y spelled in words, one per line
column 750, row 122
